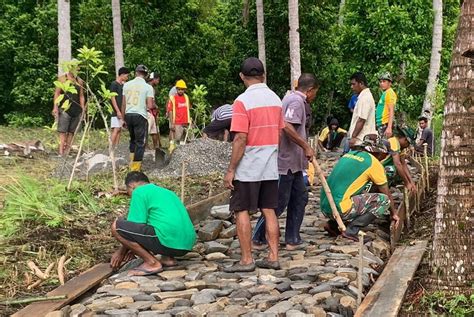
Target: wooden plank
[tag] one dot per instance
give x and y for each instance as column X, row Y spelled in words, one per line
column 386, row 295
column 200, row 210
column 396, row 233
column 73, row 288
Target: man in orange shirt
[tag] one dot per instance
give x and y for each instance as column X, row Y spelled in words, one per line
column 178, row 113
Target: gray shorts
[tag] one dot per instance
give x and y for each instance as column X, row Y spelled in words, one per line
column 66, row 123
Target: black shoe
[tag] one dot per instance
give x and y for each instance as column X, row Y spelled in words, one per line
column 266, row 264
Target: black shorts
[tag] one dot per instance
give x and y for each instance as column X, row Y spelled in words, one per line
column 251, row 196
column 145, row 236
column 217, row 127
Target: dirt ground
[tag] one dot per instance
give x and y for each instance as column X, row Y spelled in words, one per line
column 86, row 239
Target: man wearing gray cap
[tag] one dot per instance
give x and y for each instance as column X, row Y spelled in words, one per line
column 138, row 98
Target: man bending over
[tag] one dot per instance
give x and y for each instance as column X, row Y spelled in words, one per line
column 157, row 223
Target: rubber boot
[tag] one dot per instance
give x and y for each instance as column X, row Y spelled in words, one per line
column 131, row 157
column 172, row 146
column 360, row 222
column 135, row 166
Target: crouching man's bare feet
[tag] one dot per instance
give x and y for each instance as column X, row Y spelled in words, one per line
column 146, row 269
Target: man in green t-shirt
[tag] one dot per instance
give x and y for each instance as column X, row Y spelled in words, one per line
column 347, row 182
column 157, row 223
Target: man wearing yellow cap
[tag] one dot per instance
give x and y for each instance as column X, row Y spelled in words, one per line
column 178, row 113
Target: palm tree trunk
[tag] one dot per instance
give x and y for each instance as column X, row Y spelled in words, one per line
column 435, row 61
column 340, row 20
column 452, row 257
column 245, row 12
column 64, row 34
column 117, row 27
column 295, row 60
column 261, row 33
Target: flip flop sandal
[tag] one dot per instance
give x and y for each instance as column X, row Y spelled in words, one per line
column 240, row 268
column 145, row 272
column 266, row 264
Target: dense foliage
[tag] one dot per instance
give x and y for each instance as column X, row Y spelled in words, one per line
column 205, row 41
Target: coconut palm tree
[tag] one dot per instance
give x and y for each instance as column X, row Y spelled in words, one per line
column 452, row 257
column 435, row 61
column 261, row 33
column 117, row 28
column 64, row 34
column 295, row 60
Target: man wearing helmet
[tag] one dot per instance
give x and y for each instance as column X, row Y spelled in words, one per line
column 178, row 113
column 385, row 110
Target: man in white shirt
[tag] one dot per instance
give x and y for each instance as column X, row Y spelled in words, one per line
column 363, row 118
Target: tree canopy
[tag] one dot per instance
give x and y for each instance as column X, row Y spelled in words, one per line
column 204, row 41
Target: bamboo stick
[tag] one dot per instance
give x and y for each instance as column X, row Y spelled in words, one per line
column 406, row 199
column 361, row 267
column 183, row 176
column 32, row 300
column 425, row 150
column 327, row 190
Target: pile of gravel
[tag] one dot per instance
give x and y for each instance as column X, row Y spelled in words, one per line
column 202, row 156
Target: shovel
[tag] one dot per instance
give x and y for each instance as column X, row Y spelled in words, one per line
column 160, row 154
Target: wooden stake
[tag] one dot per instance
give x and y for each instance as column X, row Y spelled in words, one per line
column 427, row 168
column 327, row 190
column 183, row 175
column 406, row 199
column 32, row 300
column 79, row 152
column 361, row 267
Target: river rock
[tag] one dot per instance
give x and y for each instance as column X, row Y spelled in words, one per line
column 210, row 231
column 229, row 232
column 216, row 256
column 171, row 286
column 141, row 305
column 213, row 246
column 122, row 312
column 203, row 297
column 179, row 294
column 221, row 212
column 320, row 288
column 280, row 308
column 348, row 302
column 316, row 311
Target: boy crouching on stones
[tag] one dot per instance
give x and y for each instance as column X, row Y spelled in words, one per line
column 157, row 223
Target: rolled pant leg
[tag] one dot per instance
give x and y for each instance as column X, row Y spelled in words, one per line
column 296, row 209
column 284, row 188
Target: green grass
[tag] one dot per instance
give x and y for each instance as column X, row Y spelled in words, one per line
column 438, row 303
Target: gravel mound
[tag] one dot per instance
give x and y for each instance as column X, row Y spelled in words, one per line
column 202, row 156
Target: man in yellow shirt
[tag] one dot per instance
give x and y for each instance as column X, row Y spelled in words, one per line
column 347, row 182
column 385, row 110
column 331, row 136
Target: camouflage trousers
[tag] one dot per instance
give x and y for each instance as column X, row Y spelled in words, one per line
column 374, row 203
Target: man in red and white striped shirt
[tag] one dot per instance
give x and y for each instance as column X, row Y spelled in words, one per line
column 252, row 175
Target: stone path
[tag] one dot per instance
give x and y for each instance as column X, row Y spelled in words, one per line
column 320, row 280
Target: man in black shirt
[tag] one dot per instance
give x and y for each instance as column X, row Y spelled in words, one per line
column 425, row 136
column 116, row 121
